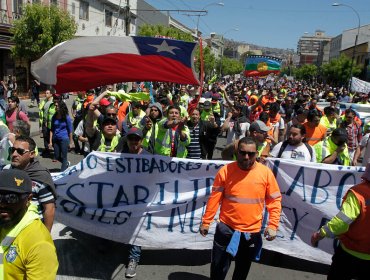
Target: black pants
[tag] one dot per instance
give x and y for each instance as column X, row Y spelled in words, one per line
column 46, row 136
column 347, row 267
column 221, row 260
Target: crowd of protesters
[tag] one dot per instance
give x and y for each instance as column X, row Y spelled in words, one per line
column 281, row 116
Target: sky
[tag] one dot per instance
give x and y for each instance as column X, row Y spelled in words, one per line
column 269, row 23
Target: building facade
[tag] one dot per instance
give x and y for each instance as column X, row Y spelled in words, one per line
column 314, row 49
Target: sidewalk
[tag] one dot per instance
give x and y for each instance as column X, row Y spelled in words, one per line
column 33, row 113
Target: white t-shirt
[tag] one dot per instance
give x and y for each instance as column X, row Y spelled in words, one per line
column 231, row 137
column 365, row 144
column 80, row 132
column 297, row 153
column 279, row 125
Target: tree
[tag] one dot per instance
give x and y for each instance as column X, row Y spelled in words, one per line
column 306, row 72
column 209, row 62
column 171, row 32
column 39, row 29
column 229, row 66
column 337, row 71
column 287, row 70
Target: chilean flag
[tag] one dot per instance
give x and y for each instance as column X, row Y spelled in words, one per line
column 88, row 62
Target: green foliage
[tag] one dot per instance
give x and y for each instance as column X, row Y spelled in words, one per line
column 155, row 30
column 338, row 71
column 39, row 29
column 209, row 62
column 306, row 72
column 229, row 66
column 287, row 70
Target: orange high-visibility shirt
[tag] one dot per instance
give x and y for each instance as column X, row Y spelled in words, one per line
column 242, row 195
column 314, row 134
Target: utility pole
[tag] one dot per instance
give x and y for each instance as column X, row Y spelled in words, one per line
column 127, row 17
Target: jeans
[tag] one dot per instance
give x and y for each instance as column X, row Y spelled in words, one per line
column 221, row 260
column 134, row 253
column 61, row 151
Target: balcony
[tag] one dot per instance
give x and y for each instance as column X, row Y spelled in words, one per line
column 6, row 19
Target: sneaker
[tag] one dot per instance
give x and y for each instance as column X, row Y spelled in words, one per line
column 68, row 164
column 131, row 269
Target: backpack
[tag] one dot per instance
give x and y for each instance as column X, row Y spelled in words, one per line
column 285, row 144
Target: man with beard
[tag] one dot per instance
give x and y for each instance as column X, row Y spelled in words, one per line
column 27, row 250
column 242, row 188
column 294, row 147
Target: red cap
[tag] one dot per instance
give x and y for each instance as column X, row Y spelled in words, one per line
column 104, row 102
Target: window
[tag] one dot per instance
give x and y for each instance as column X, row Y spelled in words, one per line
column 54, row 2
column 108, row 18
column 84, row 10
column 73, row 8
column 17, row 7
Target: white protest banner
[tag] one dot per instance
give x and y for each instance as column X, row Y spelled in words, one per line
column 311, row 195
column 158, row 202
column 153, row 201
column 358, row 85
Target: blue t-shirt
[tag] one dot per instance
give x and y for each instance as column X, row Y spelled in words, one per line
column 61, row 128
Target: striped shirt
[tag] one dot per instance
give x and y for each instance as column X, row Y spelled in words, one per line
column 354, row 135
column 194, row 151
column 41, row 195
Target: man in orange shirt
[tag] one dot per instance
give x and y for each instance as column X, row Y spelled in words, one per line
column 315, row 132
column 242, row 188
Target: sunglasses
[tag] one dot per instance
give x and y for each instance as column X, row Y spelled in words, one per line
column 11, row 198
column 20, row 151
column 250, row 154
column 111, row 115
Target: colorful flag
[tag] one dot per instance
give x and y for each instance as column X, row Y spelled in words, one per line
column 88, row 62
column 260, row 65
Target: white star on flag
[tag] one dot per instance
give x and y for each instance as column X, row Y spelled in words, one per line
column 164, row 47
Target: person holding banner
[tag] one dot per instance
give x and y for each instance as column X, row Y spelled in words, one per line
column 351, row 259
column 133, row 145
column 243, row 188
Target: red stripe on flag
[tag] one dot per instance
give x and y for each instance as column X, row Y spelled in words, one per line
column 89, row 72
column 252, row 73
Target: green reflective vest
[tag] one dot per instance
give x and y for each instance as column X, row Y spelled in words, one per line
column 216, row 108
column 45, row 119
column 205, row 115
column 326, row 147
column 113, row 144
column 134, row 121
column 330, row 126
column 164, row 140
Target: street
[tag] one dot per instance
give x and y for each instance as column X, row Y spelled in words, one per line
column 83, row 256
